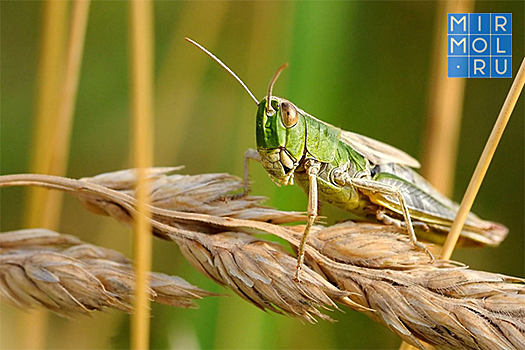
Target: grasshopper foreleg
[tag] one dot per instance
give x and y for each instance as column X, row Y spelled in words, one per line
column 312, row 168
column 249, row 154
column 377, row 187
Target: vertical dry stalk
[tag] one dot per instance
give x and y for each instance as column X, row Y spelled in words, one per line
column 79, row 19
column 38, row 211
column 406, row 346
column 40, row 207
column 484, row 161
column 141, row 26
column 445, row 107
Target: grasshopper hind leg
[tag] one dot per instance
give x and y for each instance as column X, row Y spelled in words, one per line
column 372, row 186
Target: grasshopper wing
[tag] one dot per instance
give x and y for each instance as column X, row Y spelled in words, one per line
column 429, row 206
column 377, row 152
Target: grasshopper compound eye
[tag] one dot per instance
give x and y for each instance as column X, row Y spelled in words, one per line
column 288, row 114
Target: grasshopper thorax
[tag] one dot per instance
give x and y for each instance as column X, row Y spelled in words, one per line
column 281, row 137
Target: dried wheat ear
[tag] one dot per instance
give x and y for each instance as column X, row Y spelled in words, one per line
column 369, row 268
column 40, row 267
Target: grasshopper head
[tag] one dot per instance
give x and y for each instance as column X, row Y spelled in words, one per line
column 281, row 133
column 281, row 138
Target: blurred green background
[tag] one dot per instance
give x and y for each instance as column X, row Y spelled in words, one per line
column 363, row 66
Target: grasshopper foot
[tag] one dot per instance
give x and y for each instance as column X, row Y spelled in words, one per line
column 242, row 195
column 423, row 248
column 297, row 278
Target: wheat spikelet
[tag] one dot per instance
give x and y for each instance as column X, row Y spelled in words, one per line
column 39, row 267
column 260, row 272
column 203, row 193
column 444, row 304
column 370, row 268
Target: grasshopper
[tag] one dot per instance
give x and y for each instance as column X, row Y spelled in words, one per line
column 371, row 179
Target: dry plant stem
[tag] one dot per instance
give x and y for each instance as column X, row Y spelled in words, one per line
column 66, row 109
column 406, row 346
column 484, row 162
column 141, row 26
column 42, row 208
column 445, row 107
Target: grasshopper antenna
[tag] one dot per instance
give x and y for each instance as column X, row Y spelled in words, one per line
column 269, row 108
column 225, row 67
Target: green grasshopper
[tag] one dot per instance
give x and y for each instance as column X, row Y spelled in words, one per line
column 366, row 177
